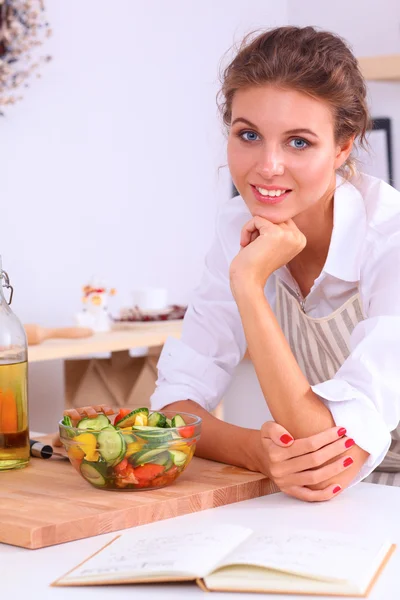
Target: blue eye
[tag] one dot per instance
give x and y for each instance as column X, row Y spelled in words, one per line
column 252, row 136
column 299, row 143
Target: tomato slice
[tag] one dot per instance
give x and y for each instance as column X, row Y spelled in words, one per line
column 186, row 432
column 148, row 471
column 121, row 467
column 123, row 412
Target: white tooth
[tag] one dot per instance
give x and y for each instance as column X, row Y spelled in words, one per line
column 263, row 192
column 271, row 193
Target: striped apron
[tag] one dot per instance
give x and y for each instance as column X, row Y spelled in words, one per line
column 320, row 346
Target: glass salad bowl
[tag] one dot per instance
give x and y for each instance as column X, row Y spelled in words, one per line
column 135, row 450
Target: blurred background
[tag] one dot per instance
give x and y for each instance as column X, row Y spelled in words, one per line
column 111, row 160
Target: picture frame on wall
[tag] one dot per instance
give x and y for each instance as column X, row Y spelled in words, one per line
column 378, row 159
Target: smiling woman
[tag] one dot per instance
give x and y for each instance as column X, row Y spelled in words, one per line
column 303, row 273
column 313, row 292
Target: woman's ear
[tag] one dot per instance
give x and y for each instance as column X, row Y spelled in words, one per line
column 343, row 152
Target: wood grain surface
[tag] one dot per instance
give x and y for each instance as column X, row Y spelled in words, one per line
column 143, row 335
column 49, row 503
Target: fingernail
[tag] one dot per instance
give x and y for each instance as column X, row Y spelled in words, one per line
column 348, row 461
column 285, row 438
column 336, row 489
column 349, row 443
column 341, row 431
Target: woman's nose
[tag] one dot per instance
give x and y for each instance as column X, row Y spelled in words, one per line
column 270, row 164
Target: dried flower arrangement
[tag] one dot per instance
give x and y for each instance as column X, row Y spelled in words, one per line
column 23, row 27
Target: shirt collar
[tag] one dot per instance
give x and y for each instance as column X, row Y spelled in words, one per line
column 348, row 234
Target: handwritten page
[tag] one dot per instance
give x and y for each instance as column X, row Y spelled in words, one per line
column 161, row 551
column 318, row 554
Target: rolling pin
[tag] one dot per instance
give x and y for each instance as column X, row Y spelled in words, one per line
column 37, row 334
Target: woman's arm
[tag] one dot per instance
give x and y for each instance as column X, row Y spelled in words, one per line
column 290, row 398
column 264, row 248
column 291, row 465
column 222, row 441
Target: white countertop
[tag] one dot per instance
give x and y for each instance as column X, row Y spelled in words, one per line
column 364, row 508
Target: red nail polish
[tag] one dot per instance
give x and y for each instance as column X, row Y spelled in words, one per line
column 285, row 438
column 348, row 461
column 336, row 489
column 341, row 431
column 349, row 443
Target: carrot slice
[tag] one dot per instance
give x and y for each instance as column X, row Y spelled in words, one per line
column 9, row 417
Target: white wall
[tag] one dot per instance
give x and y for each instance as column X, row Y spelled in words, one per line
column 110, row 163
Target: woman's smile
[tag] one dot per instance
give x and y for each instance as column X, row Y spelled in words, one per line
column 270, row 194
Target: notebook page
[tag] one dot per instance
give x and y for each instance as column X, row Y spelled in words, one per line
column 316, row 554
column 163, row 550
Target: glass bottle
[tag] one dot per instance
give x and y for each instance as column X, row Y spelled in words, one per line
column 14, row 426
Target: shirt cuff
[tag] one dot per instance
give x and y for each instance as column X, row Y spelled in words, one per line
column 356, row 412
column 185, row 374
column 166, row 394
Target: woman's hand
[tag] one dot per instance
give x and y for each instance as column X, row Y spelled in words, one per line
column 297, row 464
column 76, row 414
column 265, row 247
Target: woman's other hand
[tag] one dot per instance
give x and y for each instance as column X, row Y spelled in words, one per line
column 293, row 465
column 265, row 247
column 76, row 414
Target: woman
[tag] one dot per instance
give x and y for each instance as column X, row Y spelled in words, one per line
column 312, row 291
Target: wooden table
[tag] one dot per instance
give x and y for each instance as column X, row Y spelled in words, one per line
column 141, row 336
column 362, row 509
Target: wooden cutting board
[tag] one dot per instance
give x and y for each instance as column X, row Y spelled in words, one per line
column 49, row 503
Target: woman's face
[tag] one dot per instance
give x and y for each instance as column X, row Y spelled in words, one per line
column 282, row 153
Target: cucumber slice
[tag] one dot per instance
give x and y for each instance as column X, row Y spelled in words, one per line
column 168, row 423
column 96, row 423
column 178, row 457
column 112, row 446
column 93, row 473
column 129, row 438
column 146, row 456
column 156, row 419
column 178, row 421
column 129, row 420
column 150, row 434
column 164, row 459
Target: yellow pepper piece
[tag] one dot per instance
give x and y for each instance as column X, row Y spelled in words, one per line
column 93, row 457
column 133, row 447
column 76, row 452
column 141, row 420
column 88, row 443
column 182, row 447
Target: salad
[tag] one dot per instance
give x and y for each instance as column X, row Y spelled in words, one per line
column 138, row 450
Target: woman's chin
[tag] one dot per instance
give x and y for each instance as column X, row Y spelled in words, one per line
column 272, row 214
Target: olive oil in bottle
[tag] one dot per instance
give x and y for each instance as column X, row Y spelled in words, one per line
column 14, row 426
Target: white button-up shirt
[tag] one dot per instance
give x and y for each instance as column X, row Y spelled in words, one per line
column 364, row 256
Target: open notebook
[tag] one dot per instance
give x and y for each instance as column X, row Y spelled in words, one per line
column 235, row 558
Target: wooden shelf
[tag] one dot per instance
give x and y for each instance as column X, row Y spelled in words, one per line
column 140, row 336
column 380, row 68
